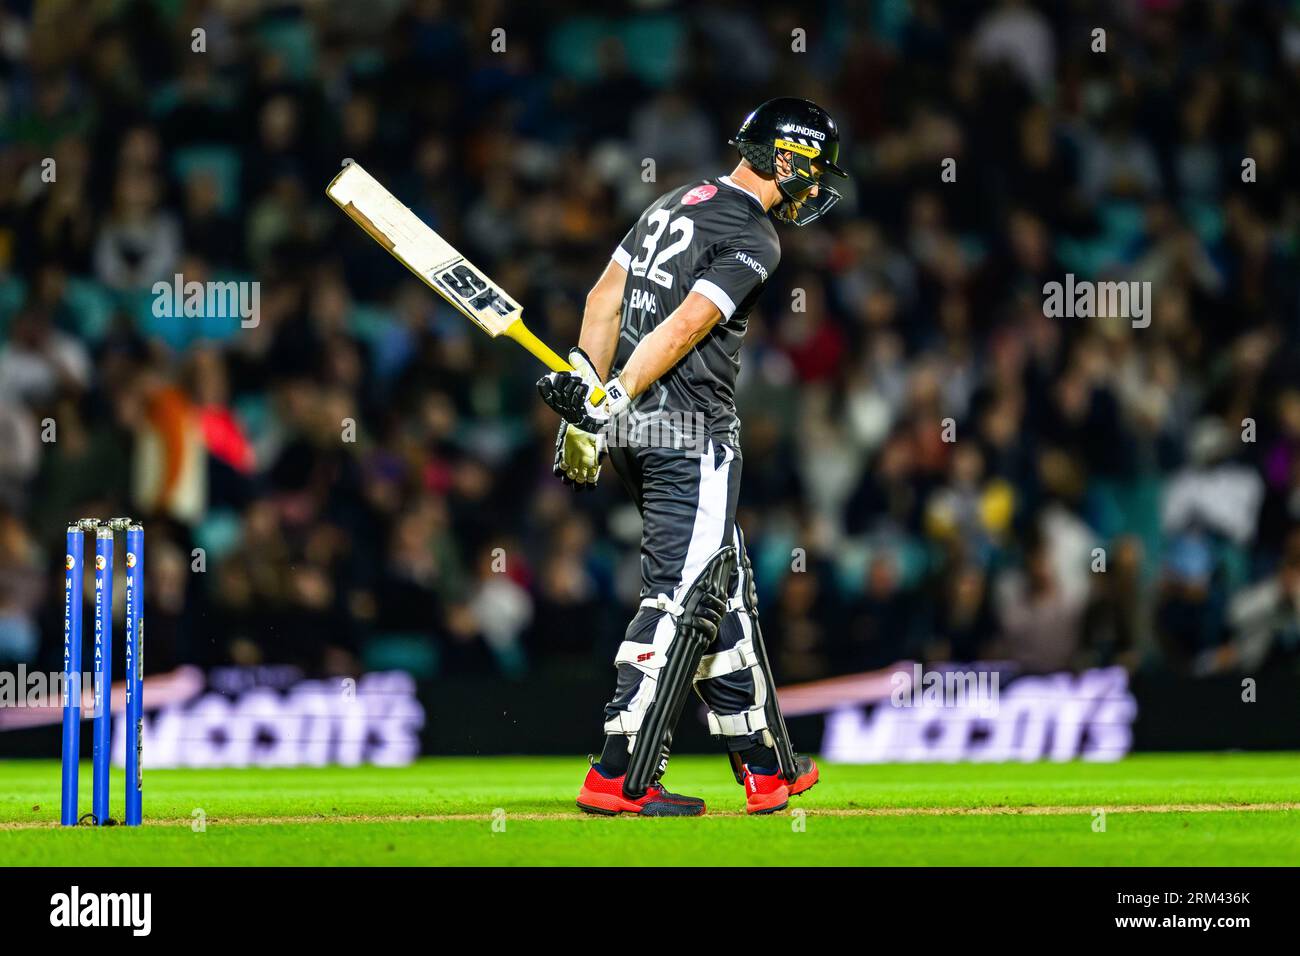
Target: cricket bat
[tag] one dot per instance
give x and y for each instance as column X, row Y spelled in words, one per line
column 436, row 261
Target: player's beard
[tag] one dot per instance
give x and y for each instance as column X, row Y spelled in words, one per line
column 788, row 211
column 801, row 211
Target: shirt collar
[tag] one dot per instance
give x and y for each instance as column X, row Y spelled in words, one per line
column 726, row 181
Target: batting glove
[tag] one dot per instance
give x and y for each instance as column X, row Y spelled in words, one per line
column 570, row 394
column 577, row 457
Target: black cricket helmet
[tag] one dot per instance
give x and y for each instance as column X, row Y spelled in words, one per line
column 807, row 133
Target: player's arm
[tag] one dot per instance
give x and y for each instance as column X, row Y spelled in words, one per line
column 736, row 273
column 654, row 355
column 578, row 451
column 601, row 318
column 668, row 343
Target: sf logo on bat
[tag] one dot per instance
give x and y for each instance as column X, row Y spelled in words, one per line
column 473, row 291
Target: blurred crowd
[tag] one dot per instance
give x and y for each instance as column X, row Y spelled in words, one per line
column 934, row 468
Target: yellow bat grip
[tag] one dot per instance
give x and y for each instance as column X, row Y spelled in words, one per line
column 524, row 336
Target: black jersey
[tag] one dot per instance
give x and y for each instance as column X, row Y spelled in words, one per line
column 712, row 237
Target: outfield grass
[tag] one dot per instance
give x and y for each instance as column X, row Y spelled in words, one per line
column 1161, row 810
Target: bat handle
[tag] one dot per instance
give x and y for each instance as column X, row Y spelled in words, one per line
column 525, row 337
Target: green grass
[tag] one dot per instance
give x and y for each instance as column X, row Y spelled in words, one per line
column 362, row 816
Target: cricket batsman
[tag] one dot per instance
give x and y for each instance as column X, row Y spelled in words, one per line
column 656, row 365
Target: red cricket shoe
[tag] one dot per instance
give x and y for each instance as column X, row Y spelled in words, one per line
column 808, row 775
column 604, row 795
column 769, row 792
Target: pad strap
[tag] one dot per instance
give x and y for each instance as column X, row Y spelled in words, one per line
column 664, row 603
column 747, row 722
column 626, row 722
column 738, row 658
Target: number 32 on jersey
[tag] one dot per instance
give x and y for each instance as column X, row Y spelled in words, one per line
column 650, row 263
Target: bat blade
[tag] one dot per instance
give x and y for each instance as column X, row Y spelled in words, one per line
column 431, row 257
column 437, row 262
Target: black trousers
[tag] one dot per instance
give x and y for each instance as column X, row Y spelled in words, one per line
column 687, row 502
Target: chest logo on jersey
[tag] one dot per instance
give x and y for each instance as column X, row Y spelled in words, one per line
column 645, row 301
column 699, row 194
